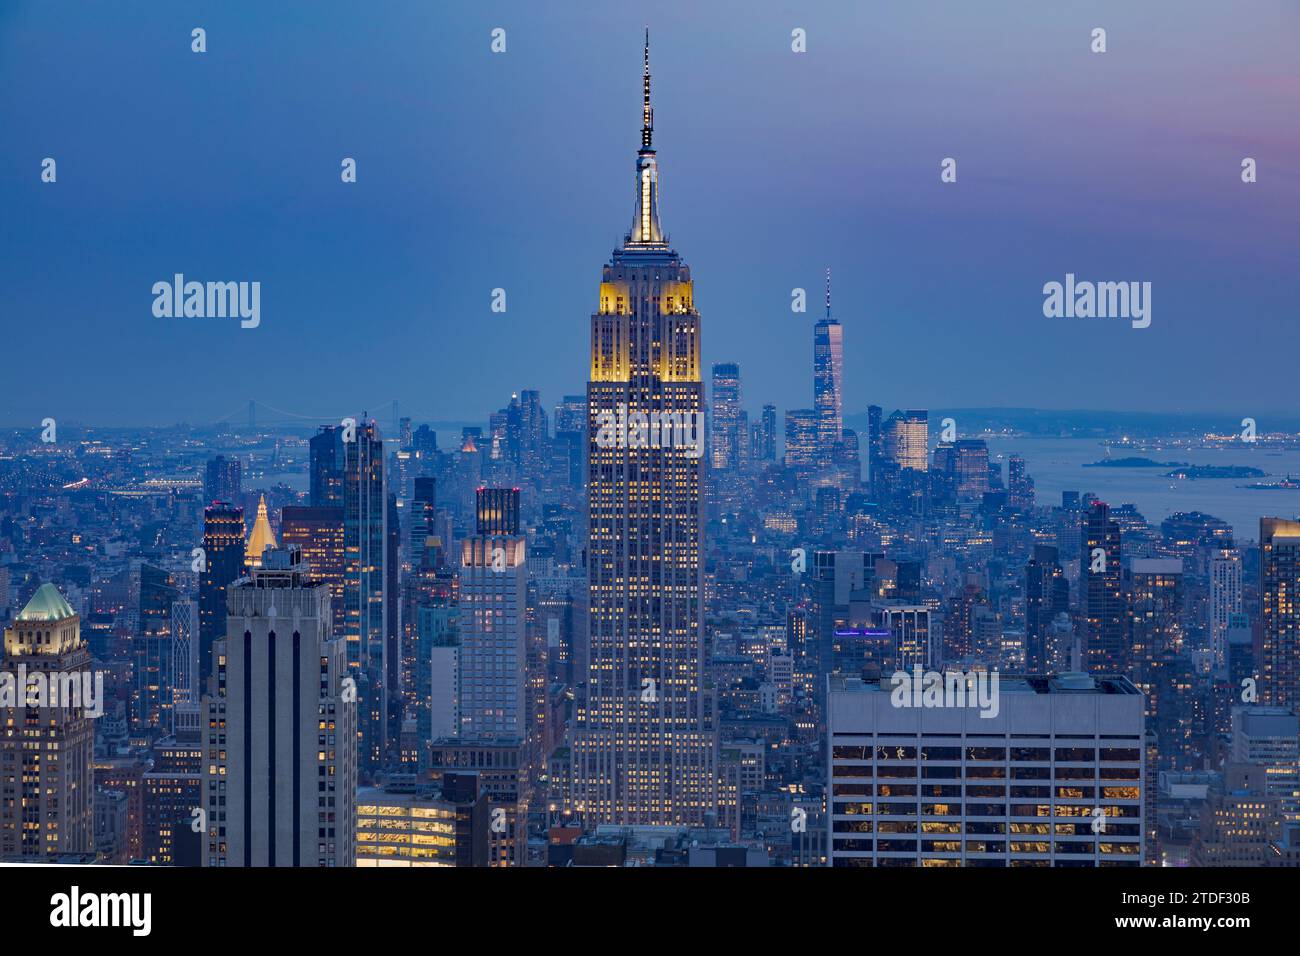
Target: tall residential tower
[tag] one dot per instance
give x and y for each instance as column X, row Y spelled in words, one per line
column 1279, row 571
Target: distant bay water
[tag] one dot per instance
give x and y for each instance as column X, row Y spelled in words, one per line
column 1057, row 464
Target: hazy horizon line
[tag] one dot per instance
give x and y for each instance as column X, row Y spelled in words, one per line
column 1147, row 415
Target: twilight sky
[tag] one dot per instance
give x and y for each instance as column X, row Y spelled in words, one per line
column 479, row 170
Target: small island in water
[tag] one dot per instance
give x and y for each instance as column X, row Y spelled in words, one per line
column 1216, row 471
column 1134, row 463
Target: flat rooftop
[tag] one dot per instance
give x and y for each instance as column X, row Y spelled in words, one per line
column 1008, row 683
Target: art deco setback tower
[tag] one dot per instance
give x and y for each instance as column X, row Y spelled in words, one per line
column 46, row 783
column 280, row 735
column 643, row 741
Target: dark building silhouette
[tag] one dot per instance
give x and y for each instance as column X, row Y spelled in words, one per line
column 223, row 563
column 222, row 479
column 1047, row 594
column 327, row 462
column 1101, row 587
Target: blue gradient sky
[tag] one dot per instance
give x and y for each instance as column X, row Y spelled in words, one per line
column 479, row 170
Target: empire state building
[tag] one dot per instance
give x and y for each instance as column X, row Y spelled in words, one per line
column 644, row 742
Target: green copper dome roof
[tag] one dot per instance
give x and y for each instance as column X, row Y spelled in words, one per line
column 47, row 604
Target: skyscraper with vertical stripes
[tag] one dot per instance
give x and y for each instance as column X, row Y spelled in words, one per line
column 644, row 743
column 280, row 728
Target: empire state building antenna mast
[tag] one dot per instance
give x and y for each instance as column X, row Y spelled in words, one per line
column 646, row 232
column 647, row 114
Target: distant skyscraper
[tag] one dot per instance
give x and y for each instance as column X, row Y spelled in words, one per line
column 497, row 511
column 963, row 466
column 1102, row 594
column 1225, row 599
column 905, row 440
column 1047, row 594
column 1020, row 487
column 493, row 611
column 834, row 578
column 424, row 442
column 504, row 427
column 911, row 642
column 318, row 533
column 221, row 479
column 972, row 459
column 644, row 745
column 1279, row 571
column 260, row 538
column 223, row 563
column 280, row 734
column 848, row 456
column 327, row 464
column 570, row 448
column 185, row 667
column 801, row 439
column 46, row 780
column 424, row 516
column 571, row 414
column 726, row 436
column 534, row 435
column 828, row 380
column 744, row 441
column 875, row 449
column 438, row 628
column 1155, row 647
column 151, row 699
column 766, row 450
column 393, row 698
column 365, row 597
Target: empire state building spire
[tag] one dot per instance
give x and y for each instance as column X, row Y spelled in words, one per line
column 646, row 230
column 647, row 114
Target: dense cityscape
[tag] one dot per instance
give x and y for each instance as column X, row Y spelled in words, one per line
column 658, row 622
